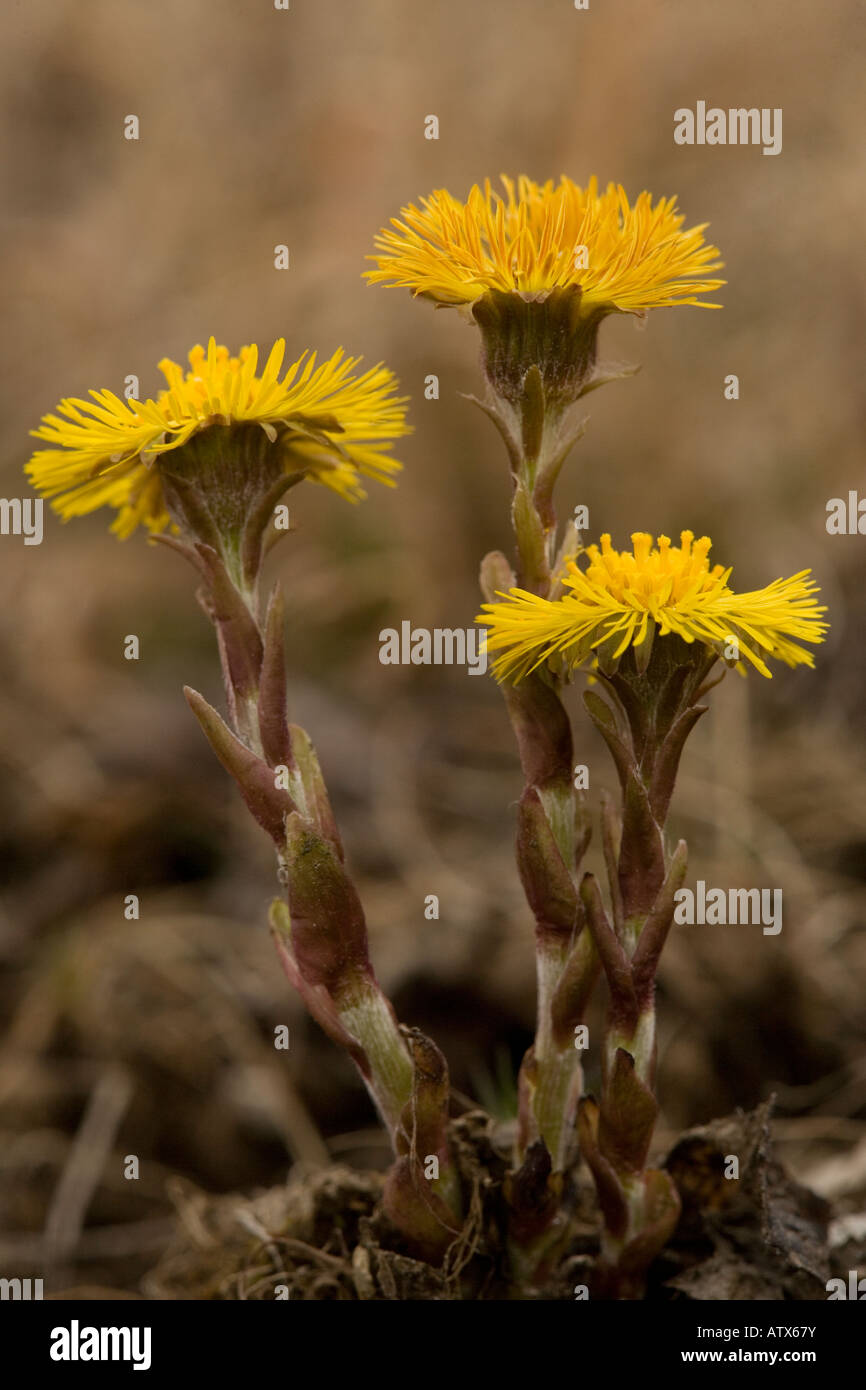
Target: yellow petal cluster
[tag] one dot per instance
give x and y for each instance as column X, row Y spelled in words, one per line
column 330, row 424
column 536, row 237
column 622, row 598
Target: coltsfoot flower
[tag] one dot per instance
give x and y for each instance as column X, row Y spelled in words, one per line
column 542, row 237
column 625, row 599
column 540, row 267
column 318, row 421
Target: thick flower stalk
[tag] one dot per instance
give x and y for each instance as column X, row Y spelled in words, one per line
column 652, row 623
column 538, row 268
column 203, row 467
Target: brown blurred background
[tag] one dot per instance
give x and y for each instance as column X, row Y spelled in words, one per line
column 306, row 127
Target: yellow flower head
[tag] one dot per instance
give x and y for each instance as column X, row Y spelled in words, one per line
column 326, row 423
column 541, row 237
column 624, row 599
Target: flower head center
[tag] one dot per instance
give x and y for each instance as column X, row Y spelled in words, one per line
column 650, row 577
